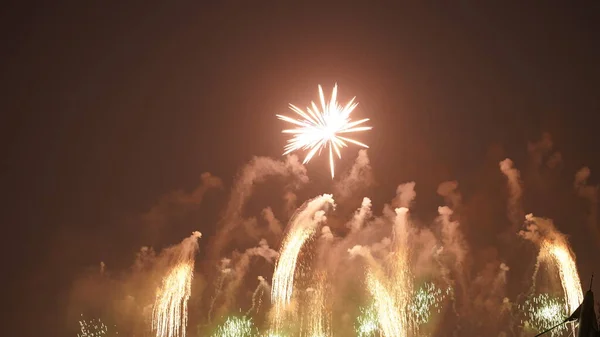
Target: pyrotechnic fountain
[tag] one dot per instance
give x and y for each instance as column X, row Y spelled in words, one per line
column 170, row 313
column 302, row 226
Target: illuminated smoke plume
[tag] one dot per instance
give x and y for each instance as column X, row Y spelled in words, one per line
column 170, row 317
column 253, row 173
column 272, row 222
column 302, row 226
column 515, row 191
column 554, row 160
column 555, row 252
column 359, row 177
column 291, row 200
column 405, row 194
column 326, row 233
column 456, row 246
column 489, row 289
column 449, row 190
column 361, row 215
column 180, row 202
column 539, row 149
column 590, row 193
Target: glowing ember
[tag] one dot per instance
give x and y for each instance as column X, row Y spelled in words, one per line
column 322, row 128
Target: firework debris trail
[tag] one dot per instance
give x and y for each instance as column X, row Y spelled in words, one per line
column 257, row 295
column 302, row 226
column 515, row 192
column 169, row 315
column 224, row 272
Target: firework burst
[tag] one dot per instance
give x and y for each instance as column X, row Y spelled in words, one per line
column 323, row 127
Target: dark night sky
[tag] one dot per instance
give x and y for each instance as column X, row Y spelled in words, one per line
column 110, row 106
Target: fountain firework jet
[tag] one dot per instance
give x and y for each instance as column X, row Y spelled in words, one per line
column 560, row 254
column 169, row 315
column 322, row 128
column 302, row 226
column 555, row 251
column 390, row 320
column 401, row 281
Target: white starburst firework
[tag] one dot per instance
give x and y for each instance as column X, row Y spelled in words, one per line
column 320, row 128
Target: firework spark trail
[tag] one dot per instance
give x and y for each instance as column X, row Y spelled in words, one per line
column 389, row 318
column 257, row 295
column 224, row 271
column 169, row 315
column 302, row 225
column 321, row 128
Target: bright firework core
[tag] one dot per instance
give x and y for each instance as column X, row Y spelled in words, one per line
column 320, row 128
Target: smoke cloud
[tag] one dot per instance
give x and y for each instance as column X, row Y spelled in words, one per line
column 253, row 173
column 515, row 191
column 179, row 203
column 357, row 179
column 405, row 194
column 590, row 194
column 449, row 190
